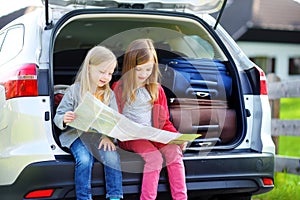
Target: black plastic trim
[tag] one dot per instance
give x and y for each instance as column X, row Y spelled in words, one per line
column 43, row 81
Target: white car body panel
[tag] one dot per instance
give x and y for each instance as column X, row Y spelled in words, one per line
column 27, row 140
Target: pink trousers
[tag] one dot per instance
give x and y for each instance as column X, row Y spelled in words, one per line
column 153, row 154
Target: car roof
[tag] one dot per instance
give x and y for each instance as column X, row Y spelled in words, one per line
column 195, row 6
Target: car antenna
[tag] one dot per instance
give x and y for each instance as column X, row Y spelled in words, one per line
column 48, row 24
column 220, row 14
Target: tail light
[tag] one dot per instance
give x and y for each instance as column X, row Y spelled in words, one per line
column 36, row 194
column 20, row 81
column 262, row 82
column 268, row 181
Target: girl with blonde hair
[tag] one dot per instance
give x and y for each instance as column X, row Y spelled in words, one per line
column 94, row 77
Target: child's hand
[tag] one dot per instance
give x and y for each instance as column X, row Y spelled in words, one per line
column 107, row 144
column 183, row 146
column 69, row 117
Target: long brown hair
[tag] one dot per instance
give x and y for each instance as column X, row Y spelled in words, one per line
column 95, row 56
column 139, row 52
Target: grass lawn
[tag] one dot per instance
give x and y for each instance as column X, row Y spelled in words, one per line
column 287, row 186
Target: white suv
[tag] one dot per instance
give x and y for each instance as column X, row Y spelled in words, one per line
column 211, row 86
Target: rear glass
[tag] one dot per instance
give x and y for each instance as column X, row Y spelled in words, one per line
column 185, row 37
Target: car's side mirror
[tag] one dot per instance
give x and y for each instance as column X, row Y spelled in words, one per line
column 3, row 120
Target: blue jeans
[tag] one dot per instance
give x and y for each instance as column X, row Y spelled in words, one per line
column 85, row 150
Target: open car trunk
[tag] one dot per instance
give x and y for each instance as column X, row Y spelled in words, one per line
column 199, row 79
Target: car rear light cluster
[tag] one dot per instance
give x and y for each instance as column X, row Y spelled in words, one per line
column 263, row 82
column 20, row 81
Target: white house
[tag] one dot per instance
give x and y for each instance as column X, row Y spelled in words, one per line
column 268, row 31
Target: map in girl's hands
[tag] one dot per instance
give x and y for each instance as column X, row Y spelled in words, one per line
column 93, row 114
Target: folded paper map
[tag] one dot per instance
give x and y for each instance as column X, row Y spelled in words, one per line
column 93, row 114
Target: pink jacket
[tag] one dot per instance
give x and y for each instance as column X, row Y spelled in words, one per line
column 160, row 112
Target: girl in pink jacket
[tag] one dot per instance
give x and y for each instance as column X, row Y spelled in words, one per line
column 142, row 99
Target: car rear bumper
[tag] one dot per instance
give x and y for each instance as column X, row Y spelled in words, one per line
column 206, row 175
column 232, row 173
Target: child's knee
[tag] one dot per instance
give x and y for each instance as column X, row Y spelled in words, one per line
column 111, row 158
column 84, row 160
column 154, row 158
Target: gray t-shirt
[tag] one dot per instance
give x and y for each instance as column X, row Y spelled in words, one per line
column 140, row 111
column 69, row 102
